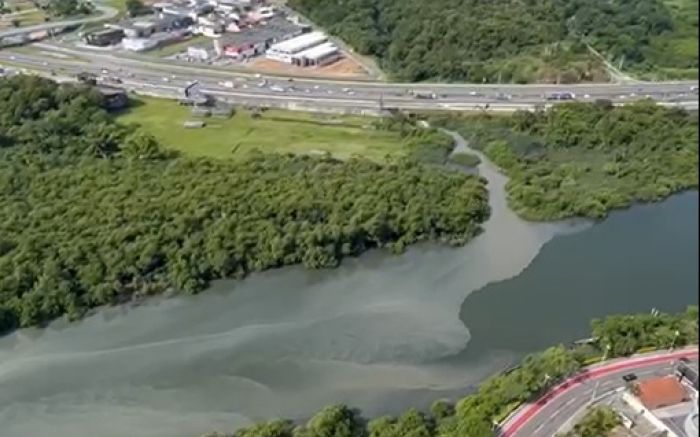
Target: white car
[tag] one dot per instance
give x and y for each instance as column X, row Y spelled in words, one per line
column 226, row 84
column 166, row 79
column 277, row 89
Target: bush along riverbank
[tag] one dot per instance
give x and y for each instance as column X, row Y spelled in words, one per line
column 93, row 212
column 473, row 416
column 585, row 159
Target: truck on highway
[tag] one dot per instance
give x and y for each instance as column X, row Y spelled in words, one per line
column 423, row 94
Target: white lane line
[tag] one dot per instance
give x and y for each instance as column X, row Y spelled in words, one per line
column 539, row 428
column 569, row 402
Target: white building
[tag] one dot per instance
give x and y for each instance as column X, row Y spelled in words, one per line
column 138, row 44
column 321, row 54
column 284, row 51
column 198, row 53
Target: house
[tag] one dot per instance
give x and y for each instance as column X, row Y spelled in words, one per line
column 138, row 44
column 198, row 53
column 212, row 31
column 105, row 37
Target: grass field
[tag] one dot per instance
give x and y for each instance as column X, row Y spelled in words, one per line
column 274, row 131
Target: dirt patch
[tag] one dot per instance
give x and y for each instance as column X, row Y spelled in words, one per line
column 344, row 67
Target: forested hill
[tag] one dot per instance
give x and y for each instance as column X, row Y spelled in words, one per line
column 506, row 40
column 93, row 213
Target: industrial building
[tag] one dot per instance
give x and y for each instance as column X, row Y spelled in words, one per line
column 249, row 42
column 321, row 54
column 104, row 38
column 285, row 50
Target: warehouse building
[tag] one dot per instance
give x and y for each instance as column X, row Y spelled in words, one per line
column 104, row 38
column 285, row 50
column 316, row 56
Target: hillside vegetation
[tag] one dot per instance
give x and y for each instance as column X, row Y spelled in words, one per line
column 511, row 40
column 582, row 159
column 93, row 212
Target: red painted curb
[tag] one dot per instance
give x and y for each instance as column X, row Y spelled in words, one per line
column 531, row 410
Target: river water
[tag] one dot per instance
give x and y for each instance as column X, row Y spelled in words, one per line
column 381, row 332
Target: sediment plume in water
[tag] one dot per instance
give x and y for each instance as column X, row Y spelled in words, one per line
column 373, row 333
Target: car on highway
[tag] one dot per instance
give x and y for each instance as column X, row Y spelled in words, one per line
column 166, row 79
column 226, row 84
column 629, row 377
column 560, row 95
column 694, row 89
column 503, row 97
column 277, row 89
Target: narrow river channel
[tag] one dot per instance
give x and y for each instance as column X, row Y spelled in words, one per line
column 380, row 332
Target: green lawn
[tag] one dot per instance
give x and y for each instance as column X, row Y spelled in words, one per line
column 275, row 131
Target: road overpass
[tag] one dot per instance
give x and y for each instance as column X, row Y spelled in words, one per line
column 545, row 416
column 103, row 13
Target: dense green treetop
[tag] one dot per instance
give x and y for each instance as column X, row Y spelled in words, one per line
column 581, row 159
column 491, row 40
column 93, row 213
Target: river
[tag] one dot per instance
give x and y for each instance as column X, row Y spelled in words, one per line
column 380, row 332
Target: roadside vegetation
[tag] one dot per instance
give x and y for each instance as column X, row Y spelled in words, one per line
column 598, row 422
column 281, row 131
column 514, row 41
column 580, row 159
column 473, row 415
column 94, row 212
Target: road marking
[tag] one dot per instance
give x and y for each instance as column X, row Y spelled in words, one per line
column 539, row 428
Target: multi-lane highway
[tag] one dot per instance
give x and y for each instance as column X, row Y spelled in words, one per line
column 168, row 78
column 546, row 416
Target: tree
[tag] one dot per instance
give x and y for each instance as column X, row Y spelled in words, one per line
column 135, row 7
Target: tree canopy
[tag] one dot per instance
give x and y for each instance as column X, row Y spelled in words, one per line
column 502, row 40
column 584, row 159
column 94, row 213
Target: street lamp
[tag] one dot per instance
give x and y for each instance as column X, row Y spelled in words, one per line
column 675, row 337
column 605, row 357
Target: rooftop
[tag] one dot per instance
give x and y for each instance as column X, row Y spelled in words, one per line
column 661, row 392
column 319, row 51
column 275, row 29
column 303, row 41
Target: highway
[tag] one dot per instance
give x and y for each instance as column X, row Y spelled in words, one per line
column 168, row 79
column 546, row 416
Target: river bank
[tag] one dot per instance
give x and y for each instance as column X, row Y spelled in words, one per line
column 381, row 333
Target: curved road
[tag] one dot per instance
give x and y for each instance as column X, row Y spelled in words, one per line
column 106, row 13
column 546, row 416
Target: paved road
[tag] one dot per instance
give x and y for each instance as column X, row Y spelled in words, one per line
column 545, row 417
column 170, row 79
column 105, row 13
